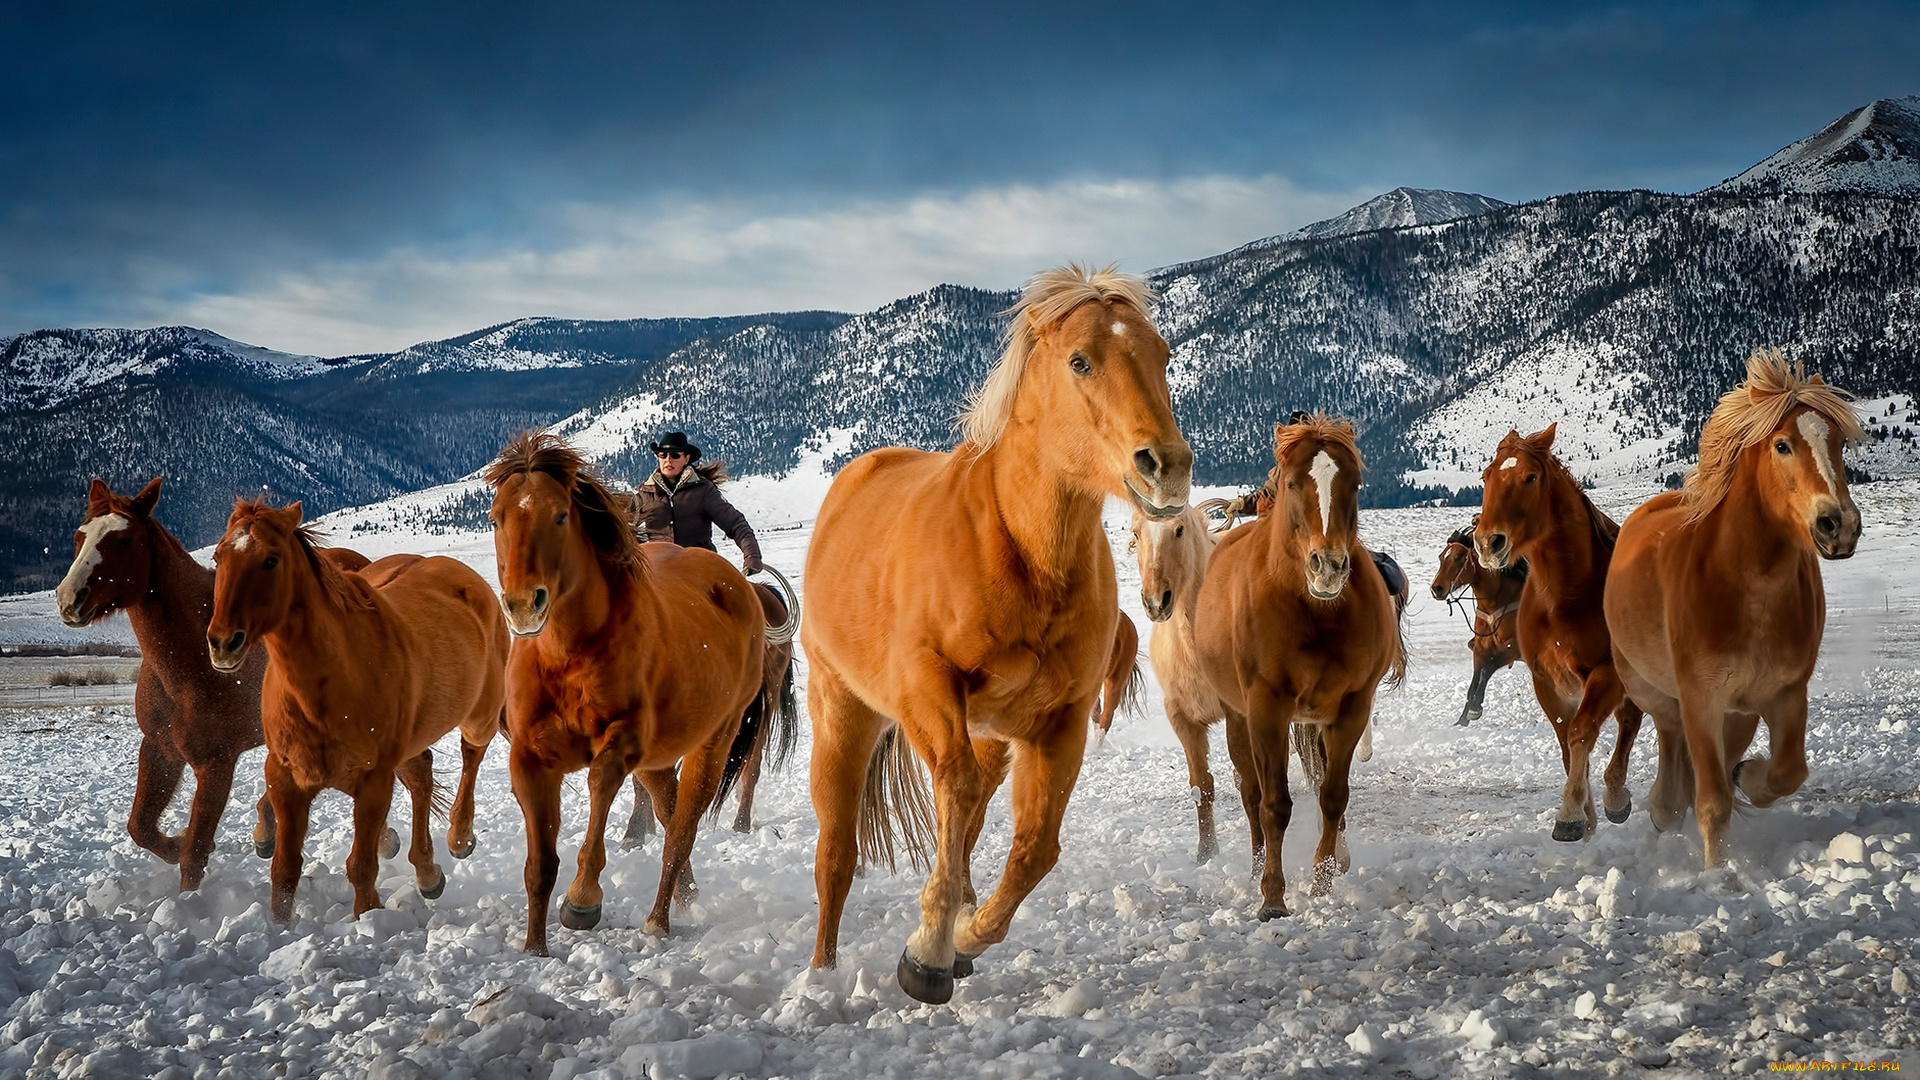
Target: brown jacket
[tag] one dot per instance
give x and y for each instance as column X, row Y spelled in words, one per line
column 687, row 513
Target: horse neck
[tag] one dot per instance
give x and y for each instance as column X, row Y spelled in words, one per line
column 1049, row 522
column 1572, row 561
column 312, row 639
column 1197, row 553
column 1755, row 538
column 170, row 621
column 582, row 612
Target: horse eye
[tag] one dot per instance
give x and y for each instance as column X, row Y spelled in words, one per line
column 1179, row 531
column 1531, row 477
column 272, row 561
column 1783, row 446
column 562, row 519
column 1081, row 365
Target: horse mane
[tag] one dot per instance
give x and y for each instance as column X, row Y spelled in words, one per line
column 1319, row 426
column 604, row 515
column 1049, row 297
column 1750, row 412
column 334, row 584
column 1462, row 536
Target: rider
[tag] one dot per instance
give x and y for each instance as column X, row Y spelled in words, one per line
column 681, row 502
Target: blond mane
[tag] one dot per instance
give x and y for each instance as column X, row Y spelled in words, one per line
column 1750, row 412
column 606, row 517
column 1318, row 426
column 1049, row 297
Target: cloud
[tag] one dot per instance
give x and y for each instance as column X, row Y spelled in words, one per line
column 696, row 257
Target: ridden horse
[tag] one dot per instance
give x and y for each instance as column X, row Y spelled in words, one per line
column 1122, row 685
column 1292, row 639
column 1496, row 605
column 1533, row 509
column 1745, row 535
column 189, row 714
column 1172, row 554
column 964, row 603
column 366, row 670
column 778, row 730
column 627, row 657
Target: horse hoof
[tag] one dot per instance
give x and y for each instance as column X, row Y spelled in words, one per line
column 1272, row 912
column 1569, row 830
column 438, row 888
column 460, row 851
column 922, row 983
column 1466, row 718
column 264, row 848
column 389, row 844
column 655, row 928
column 962, row 965
column 579, row 918
column 743, row 824
column 1620, row 816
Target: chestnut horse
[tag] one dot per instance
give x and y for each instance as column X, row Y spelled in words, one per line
column 189, row 714
column 965, row 601
column 1173, row 554
column 1496, row 608
column 1533, row 509
column 1292, row 639
column 1766, row 503
column 776, row 734
column 365, row 671
column 626, row 657
column 1122, row 685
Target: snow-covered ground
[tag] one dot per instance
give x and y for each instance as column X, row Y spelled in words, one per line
column 1464, row 941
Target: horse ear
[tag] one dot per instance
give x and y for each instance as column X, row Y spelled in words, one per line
column 291, row 512
column 1545, row 436
column 149, row 495
column 98, row 492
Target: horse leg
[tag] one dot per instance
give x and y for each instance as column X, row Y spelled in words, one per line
column 474, row 739
column 263, row 827
column 1331, row 856
column 845, row 732
column 580, row 909
column 212, row 782
column 994, row 757
column 1044, row 773
column 1765, row 780
column 1247, row 779
column 700, row 775
column 536, row 786
column 939, row 734
column 1193, row 743
column 640, row 821
column 1600, row 696
column 1618, row 801
column 1703, row 716
column 417, row 774
column 1269, row 726
column 663, row 794
column 750, row 769
column 291, row 805
column 157, row 780
column 1477, row 689
column 372, row 798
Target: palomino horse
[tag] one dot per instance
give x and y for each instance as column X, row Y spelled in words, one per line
column 967, row 600
column 777, row 732
column 1533, row 509
column 1172, row 554
column 365, row 671
column 1496, row 607
column 1122, row 685
column 1767, row 502
column 189, row 714
column 626, row 657
column 1289, row 636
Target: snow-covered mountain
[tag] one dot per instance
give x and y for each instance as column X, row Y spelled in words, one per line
column 1874, row 149
column 46, row 368
column 1398, row 209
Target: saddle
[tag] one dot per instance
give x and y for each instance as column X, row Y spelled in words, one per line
column 1390, row 570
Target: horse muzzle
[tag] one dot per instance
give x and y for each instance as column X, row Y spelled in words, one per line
column 229, row 652
column 1836, row 531
column 1327, row 574
column 1493, row 551
column 1159, row 608
column 526, row 618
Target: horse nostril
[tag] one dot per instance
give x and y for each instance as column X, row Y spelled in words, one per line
column 1439, row 593
column 80, row 596
column 1828, row 525
column 1497, row 542
column 1315, row 561
column 239, row 638
column 1147, row 462
column 1166, row 600
column 540, row 599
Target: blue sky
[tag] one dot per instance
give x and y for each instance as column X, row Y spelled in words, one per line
column 332, row 178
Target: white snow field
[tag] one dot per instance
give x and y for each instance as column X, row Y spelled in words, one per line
column 1465, row 941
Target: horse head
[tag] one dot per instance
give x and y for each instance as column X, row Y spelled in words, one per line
column 1172, row 554
column 112, row 555
column 253, row 579
column 1456, row 564
column 1808, row 478
column 1515, row 503
column 1084, row 379
column 551, row 516
column 1316, row 483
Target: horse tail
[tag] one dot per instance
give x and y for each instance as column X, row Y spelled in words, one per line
column 782, row 727
column 737, row 754
column 1397, row 667
column 896, row 793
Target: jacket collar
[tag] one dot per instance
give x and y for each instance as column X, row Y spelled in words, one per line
column 689, row 478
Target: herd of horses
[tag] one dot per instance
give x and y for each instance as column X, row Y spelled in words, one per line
column 963, row 627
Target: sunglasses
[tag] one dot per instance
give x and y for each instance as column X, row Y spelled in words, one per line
column 666, row 455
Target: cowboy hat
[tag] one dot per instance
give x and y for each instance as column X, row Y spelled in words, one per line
column 675, row 442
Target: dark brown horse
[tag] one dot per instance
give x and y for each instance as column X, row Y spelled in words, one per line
column 366, row 670
column 1496, row 610
column 1295, row 641
column 190, row 715
column 776, row 734
column 627, row 657
column 1533, row 509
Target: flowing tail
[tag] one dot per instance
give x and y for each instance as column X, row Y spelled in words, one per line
column 750, row 725
column 896, row 794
